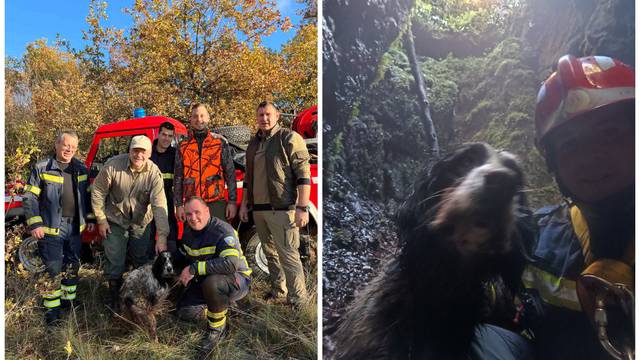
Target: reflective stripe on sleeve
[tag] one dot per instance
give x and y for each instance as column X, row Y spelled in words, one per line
column 34, row 220
column 202, row 268
column 82, row 178
column 51, row 231
column 33, row 189
column 230, row 252
column 556, row 291
column 167, row 175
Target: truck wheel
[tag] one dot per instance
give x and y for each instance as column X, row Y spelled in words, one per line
column 258, row 260
column 254, row 253
column 29, row 257
column 239, row 135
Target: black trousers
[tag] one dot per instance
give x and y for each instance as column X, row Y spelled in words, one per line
column 217, row 291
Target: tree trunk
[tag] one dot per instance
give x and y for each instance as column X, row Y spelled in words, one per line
column 425, row 111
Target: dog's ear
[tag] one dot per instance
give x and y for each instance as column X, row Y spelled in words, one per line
column 157, row 266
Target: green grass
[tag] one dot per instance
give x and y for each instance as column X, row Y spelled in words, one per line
column 257, row 330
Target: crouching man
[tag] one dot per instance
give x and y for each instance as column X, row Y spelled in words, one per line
column 216, row 273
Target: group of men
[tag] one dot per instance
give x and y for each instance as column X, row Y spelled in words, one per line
column 132, row 201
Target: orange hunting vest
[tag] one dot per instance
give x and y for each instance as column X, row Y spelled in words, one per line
column 202, row 171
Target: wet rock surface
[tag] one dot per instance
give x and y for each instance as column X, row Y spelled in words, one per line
column 357, row 235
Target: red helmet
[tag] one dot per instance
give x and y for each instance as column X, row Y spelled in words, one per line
column 306, row 123
column 578, row 86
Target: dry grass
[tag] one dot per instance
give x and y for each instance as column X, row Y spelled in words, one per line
column 257, row 330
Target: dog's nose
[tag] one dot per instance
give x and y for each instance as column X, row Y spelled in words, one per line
column 500, row 179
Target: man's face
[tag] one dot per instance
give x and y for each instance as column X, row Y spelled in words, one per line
column 595, row 155
column 138, row 157
column 197, row 215
column 199, row 118
column 165, row 137
column 66, row 148
column 267, row 117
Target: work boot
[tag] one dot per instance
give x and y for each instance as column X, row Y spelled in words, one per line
column 52, row 317
column 213, row 338
column 113, row 300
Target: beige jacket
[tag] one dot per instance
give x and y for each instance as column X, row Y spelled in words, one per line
column 127, row 198
column 287, row 166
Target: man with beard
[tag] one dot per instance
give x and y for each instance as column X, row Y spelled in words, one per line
column 203, row 167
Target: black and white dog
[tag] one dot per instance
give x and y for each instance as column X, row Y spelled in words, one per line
column 145, row 290
column 458, row 231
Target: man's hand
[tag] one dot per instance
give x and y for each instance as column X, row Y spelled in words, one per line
column 91, row 227
column 38, row 233
column 103, row 230
column 185, row 276
column 302, row 218
column 180, row 213
column 160, row 247
column 244, row 212
column 232, row 209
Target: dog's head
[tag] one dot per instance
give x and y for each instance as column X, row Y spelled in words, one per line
column 163, row 268
column 467, row 199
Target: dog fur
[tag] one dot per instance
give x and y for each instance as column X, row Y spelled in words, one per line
column 458, row 231
column 144, row 293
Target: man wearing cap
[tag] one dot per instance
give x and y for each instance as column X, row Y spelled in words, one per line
column 585, row 127
column 127, row 194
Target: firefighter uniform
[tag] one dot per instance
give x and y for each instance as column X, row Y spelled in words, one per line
column 552, row 311
column 165, row 162
column 203, row 166
column 222, row 274
column 48, row 184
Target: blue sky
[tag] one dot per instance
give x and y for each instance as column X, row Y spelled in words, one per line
column 27, row 21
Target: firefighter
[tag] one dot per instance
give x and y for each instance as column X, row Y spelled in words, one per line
column 57, row 208
column 277, row 187
column 127, row 194
column 203, row 167
column 585, row 131
column 163, row 156
column 215, row 271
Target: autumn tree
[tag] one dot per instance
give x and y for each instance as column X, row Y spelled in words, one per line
column 206, row 51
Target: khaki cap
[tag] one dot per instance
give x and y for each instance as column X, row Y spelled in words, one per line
column 140, row 142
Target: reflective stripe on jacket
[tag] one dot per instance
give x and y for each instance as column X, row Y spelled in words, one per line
column 43, row 195
column 560, row 328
